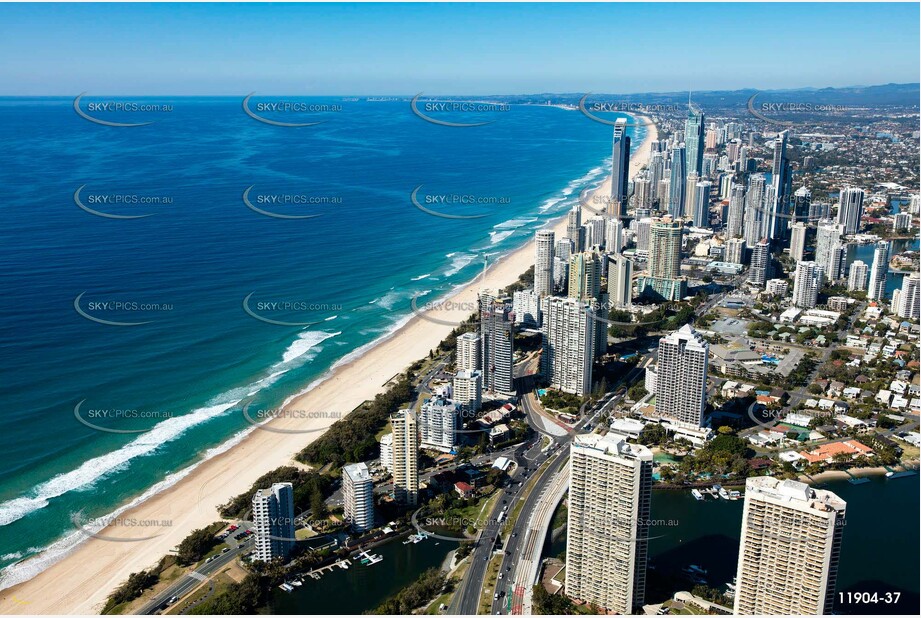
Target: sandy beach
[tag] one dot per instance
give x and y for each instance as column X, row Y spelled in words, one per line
column 81, row 581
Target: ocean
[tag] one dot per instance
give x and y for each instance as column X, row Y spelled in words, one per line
column 146, row 301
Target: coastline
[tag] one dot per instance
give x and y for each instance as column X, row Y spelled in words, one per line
column 80, row 581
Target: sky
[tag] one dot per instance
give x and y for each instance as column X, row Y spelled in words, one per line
column 400, row 49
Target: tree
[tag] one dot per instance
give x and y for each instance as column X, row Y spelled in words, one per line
column 318, row 505
column 725, row 430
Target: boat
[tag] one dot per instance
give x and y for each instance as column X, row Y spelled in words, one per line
column 723, row 494
column 697, row 495
column 286, row 587
column 695, row 569
column 898, row 475
column 297, row 582
column 734, row 495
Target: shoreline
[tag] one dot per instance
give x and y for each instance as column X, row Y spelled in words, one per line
column 81, row 579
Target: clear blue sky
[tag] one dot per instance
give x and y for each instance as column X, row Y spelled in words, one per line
column 451, row 49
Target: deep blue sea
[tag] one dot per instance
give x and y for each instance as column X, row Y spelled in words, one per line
column 175, row 380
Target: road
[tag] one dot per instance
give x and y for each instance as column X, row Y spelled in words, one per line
column 193, row 579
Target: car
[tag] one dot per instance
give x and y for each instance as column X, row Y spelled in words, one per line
column 495, row 597
column 172, row 600
column 508, row 568
column 225, row 550
column 500, row 576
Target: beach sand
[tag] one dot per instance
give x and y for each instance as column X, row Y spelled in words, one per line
column 80, row 582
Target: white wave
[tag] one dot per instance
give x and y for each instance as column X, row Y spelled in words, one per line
column 96, row 468
column 513, row 223
column 47, row 556
column 330, row 318
column 459, row 262
column 421, row 277
column 497, row 237
column 14, row 556
column 304, row 343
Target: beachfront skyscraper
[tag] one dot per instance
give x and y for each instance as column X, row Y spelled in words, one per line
column 778, row 207
column 439, row 420
column 614, row 236
column 273, row 521
column 620, row 159
column 543, row 262
column 568, row 344
column 608, row 531
column 468, row 392
column 806, row 284
column 676, row 185
column 909, row 306
column 789, row 550
column 620, row 282
column 694, row 138
column 760, row 269
column 358, row 496
column 850, row 209
column 585, row 275
column 468, row 352
column 876, row 289
column 574, row 229
column 405, row 457
column 681, row 383
column 497, row 342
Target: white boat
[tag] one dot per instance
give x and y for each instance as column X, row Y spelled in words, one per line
column 297, row 582
column 734, row 495
column 724, row 494
column 287, row 587
column 697, row 495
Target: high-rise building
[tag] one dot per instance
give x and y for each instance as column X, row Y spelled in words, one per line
column 702, row 204
column 439, row 420
column 574, row 230
column 543, row 262
column 807, row 282
column 802, row 201
column 594, row 231
column 643, row 227
column 690, row 195
column 358, row 497
column 608, row 535
column 387, row 452
column 681, row 382
column 585, row 275
column 620, row 158
column 901, row 221
column 468, row 391
column 273, row 521
column 909, row 306
column 876, row 289
column 798, row 236
column 736, row 211
column 468, row 352
column 614, row 236
column 735, row 250
column 568, row 344
column 760, row 269
column 405, row 457
column 789, row 550
column 819, row 211
column 642, row 191
column 676, row 185
column 665, row 248
column 694, row 139
column 850, row 209
column 497, row 342
column 754, row 210
column 829, row 248
column 620, row 282
column 778, row 206
column 526, row 305
column 857, row 277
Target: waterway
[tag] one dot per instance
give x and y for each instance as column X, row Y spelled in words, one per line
column 865, row 254
column 361, row 588
column 878, row 554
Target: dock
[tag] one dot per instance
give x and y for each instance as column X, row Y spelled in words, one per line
column 344, row 563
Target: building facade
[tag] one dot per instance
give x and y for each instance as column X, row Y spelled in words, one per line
column 358, row 497
column 273, row 521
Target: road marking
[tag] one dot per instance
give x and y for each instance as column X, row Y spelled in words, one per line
column 198, row 576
